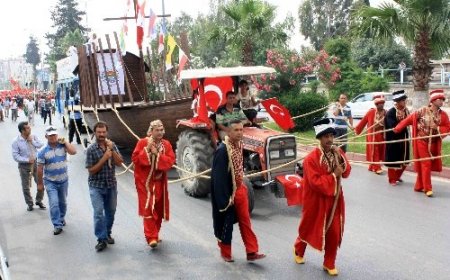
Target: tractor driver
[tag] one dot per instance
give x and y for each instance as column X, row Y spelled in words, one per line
column 227, row 113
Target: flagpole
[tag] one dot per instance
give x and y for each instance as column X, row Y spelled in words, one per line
column 164, row 51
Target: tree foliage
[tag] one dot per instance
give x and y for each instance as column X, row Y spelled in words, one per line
column 353, row 80
column 321, row 20
column 370, row 53
column 423, row 24
column 32, row 55
column 66, row 18
column 251, row 28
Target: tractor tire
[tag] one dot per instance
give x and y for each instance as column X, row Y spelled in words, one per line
column 194, row 154
column 250, row 195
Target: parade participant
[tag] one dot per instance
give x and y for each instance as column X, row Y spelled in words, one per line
column 229, row 195
column 343, row 116
column 7, row 105
column 48, row 111
column 24, row 151
column 1, row 109
column 427, row 121
column 398, row 151
column 247, row 101
column 75, row 121
column 14, row 109
column 30, row 111
column 374, row 120
column 101, row 158
column 229, row 112
column 152, row 158
column 323, row 213
column 52, row 172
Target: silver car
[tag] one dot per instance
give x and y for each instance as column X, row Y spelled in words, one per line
column 364, row 101
column 4, row 266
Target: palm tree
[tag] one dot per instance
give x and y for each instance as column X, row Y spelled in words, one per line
column 422, row 24
column 251, row 25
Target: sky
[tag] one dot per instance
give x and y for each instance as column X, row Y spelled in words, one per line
column 20, row 19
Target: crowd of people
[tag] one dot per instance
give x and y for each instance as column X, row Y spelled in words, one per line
column 324, row 168
column 388, row 139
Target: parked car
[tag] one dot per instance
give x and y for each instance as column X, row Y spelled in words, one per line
column 364, row 101
column 4, row 266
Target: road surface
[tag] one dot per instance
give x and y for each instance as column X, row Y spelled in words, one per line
column 390, row 232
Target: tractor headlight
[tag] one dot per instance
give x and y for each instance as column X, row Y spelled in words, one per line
column 289, row 152
column 274, row 154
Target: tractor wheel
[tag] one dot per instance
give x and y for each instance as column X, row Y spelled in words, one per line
column 250, row 194
column 194, row 154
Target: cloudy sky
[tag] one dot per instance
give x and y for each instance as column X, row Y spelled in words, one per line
column 20, row 19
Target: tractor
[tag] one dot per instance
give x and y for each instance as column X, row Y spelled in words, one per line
column 264, row 149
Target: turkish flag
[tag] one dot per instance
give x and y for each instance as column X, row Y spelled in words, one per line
column 279, row 113
column 293, row 188
column 182, row 60
column 202, row 111
column 140, row 23
column 215, row 91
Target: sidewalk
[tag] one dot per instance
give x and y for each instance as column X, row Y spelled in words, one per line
column 445, row 173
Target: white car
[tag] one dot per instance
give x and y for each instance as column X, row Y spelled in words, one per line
column 361, row 103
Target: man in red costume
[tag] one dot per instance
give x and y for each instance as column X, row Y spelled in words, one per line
column 374, row 120
column 152, row 158
column 323, row 214
column 427, row 121
column 229, row 195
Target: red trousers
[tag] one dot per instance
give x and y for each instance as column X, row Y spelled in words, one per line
column 245, row 225
column 378, row 155
column 332, row 237
column 152, row 225
column 423, row 168
column 395, row 174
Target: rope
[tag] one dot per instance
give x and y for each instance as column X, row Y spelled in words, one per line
column 312, row 112
column 127, row 169
column 190, row 177
column 396, row 141
column 400, row 161
column 186, row 171
column 131, row 76
column 124, row 124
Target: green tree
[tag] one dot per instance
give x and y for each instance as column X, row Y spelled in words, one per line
column 66, row 18
column 321, row 20
column 252, row 22
column 424, row 24
column 32, row 55
column 353, row 79
column 74, row 38
column 371, row 53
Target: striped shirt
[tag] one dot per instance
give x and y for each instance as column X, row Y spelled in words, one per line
column 54, row 160
column 344, row 113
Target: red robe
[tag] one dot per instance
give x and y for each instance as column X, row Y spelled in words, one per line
column 156, row 188
column 319, row 191
column 369, row 121
column 434, row 144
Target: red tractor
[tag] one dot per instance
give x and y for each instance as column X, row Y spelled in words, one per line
column 264, row 149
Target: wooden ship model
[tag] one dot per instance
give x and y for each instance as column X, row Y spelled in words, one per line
column 125, row 105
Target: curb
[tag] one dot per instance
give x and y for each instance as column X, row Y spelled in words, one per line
column 445, row 173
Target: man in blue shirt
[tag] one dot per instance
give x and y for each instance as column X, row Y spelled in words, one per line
column 52, row 171
column 343, row 116
column 24, row 150
column 101, row 158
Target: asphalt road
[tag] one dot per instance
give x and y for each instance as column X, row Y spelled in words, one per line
column 390, row 233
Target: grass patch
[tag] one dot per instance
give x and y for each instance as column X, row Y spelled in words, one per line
column 310, row 139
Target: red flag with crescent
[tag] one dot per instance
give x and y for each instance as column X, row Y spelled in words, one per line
column 216, row 89
column 279, row 113
column 293, row 188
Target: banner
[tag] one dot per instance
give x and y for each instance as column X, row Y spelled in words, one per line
column 109, row 77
